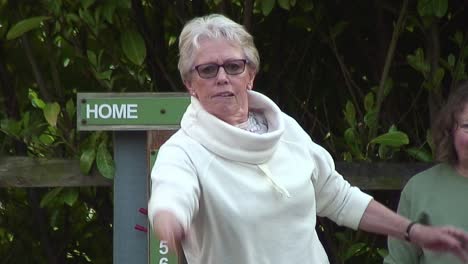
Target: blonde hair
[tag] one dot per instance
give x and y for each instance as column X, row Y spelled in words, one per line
column 213, row 26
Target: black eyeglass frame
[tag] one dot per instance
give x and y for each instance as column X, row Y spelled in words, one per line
column 196, row 68
column 462, row 126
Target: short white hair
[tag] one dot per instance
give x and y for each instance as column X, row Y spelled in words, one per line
column 214, row 26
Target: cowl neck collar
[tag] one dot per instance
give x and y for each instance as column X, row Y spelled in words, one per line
column 231, row 142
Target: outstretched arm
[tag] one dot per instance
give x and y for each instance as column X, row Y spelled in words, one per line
column 174, row 197
column 379, row 219
column 168, row 228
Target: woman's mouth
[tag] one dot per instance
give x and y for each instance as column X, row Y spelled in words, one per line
column 223, row 94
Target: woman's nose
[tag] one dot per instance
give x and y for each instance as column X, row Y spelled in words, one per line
column 222, row 76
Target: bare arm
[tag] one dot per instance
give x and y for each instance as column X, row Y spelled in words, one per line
column 379, row 219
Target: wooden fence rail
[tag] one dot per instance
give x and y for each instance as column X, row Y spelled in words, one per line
column 32, row 172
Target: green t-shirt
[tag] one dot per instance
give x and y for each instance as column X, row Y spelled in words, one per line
column 437, row 196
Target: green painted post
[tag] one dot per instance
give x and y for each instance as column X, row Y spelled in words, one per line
column 159, row 253
column 120, row 112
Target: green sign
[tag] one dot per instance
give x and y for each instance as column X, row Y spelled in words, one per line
column 130, row 111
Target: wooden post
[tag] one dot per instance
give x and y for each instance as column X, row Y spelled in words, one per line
column 130, row 185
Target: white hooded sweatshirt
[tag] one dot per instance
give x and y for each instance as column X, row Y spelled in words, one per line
column 246, row 198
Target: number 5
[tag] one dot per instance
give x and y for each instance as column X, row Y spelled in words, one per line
column 163, row 261
column 163, row 249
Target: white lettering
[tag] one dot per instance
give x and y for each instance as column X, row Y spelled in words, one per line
column 163, row 261
column 101, row 111
column 89, row 110
column 132, row 109
column 118, row 112
column 115, row 111
column 163, row 248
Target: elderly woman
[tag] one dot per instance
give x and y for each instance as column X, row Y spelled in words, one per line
column 438, row 196
column 241, row 181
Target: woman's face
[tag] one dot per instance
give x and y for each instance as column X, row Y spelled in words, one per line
column 460, row 137
column 224, row 95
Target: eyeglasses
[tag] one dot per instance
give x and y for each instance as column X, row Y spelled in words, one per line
column 463, row 127
column 210, row 70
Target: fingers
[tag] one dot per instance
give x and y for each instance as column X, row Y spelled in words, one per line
column 173, row 236
column 168, row 229
column 174, row 239
column 458, row 241
column 442, row 239
column 460, row 235
column 461, row 254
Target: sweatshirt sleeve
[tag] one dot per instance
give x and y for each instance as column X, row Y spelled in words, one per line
column 335, row 197
column 174, row 186
column 400, row 251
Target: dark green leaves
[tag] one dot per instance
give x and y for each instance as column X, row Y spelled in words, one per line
column 96, row 151
column 87, row 159
column 60, row 196
column 70, row 196
column 350, row 114
column 35, row 100
column 133, row 46
column 436, row 8
column 392, row 139
column 420, row 154
column 267, row 6
column 104, row 161
column 70, row 108
column 51, row 112
column 417, row 62
column 50, row 196
column 24, row 26
column 355, row 249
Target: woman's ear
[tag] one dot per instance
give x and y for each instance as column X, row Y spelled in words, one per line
column 189, row 88
column 252, row 78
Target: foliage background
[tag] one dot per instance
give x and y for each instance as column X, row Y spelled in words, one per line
column 363, row 78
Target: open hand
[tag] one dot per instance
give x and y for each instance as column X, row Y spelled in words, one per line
column 441, row 239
